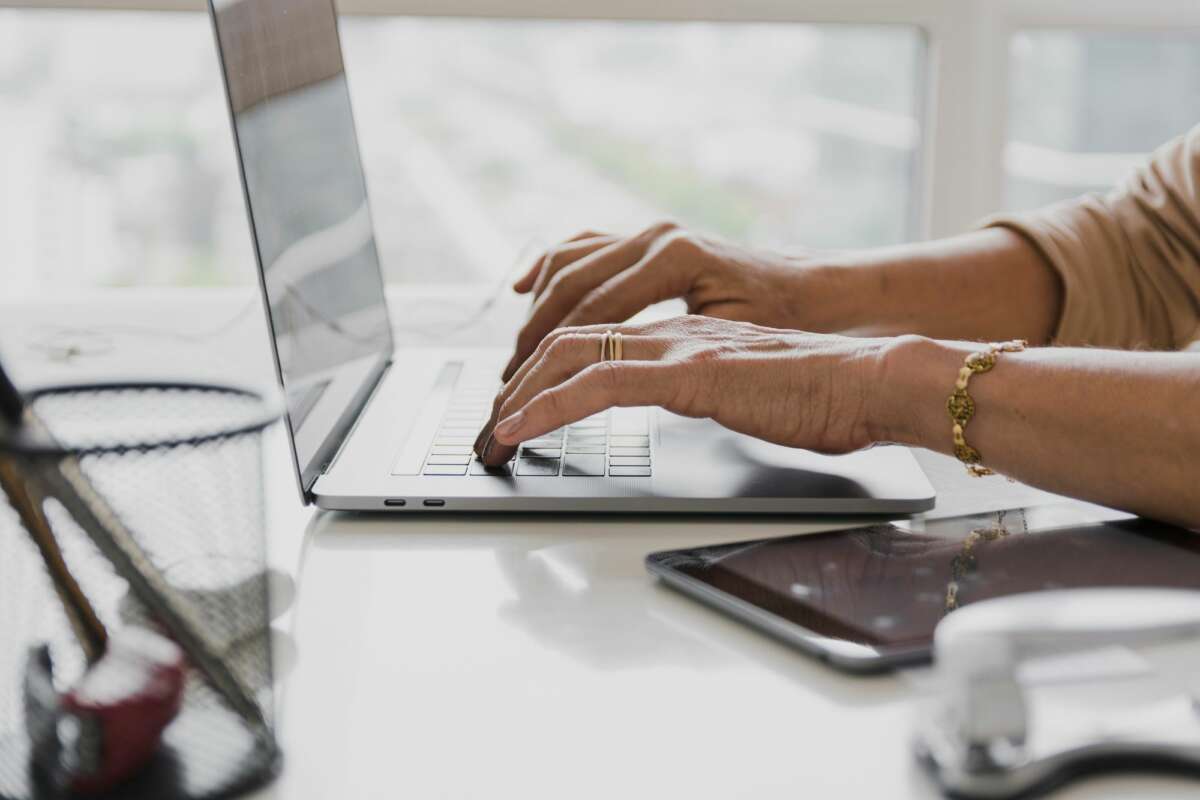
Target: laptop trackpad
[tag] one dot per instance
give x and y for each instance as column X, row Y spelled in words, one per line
column 704, row 459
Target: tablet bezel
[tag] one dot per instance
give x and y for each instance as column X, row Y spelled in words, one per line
column 845, row 655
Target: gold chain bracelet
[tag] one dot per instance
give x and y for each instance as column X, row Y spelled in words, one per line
column 961, row 407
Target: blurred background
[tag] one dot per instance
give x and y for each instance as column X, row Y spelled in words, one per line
column 485, row 138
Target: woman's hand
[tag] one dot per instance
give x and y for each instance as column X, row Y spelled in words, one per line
column 595, row 278
column 797, row 389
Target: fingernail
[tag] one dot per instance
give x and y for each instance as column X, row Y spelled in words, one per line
column 509, row 427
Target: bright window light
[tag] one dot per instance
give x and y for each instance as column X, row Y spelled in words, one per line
column 481, row 139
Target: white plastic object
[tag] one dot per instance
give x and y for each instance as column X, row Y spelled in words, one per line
column 975, row 735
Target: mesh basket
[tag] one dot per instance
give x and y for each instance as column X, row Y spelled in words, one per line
column 181, row 466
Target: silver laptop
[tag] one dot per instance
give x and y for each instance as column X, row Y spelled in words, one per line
column 380, row 427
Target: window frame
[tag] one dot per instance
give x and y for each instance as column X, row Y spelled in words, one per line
column 960, row 172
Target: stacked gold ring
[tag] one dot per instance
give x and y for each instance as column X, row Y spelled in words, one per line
column 611, row 346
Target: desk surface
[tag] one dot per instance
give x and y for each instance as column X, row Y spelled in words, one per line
column 451, row 656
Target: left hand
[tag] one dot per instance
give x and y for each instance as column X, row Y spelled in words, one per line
column 792, row 388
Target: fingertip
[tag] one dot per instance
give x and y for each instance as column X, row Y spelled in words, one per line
column 508, row 432
column 495, row 453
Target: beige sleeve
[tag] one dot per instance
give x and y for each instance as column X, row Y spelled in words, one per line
column 1129, row 261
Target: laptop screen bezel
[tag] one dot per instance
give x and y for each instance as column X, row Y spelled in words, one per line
column 306, row 474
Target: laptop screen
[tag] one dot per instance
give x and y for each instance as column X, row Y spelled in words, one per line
column 309, row 215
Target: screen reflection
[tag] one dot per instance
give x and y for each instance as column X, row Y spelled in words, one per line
column 308, row 205
column 884, row 585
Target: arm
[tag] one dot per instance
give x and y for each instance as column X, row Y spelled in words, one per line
column 1117, row 428
column 986, row 285
column 1120, row 270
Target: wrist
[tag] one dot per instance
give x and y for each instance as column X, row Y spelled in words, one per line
column 913, row 376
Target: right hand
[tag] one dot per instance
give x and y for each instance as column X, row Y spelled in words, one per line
column 788, row 387
column 597, row 278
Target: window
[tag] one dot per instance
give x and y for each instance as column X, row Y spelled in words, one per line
column 481, row 139
column 1087, row 107
column 116, row 162
column 844, row 123
column 483, row 136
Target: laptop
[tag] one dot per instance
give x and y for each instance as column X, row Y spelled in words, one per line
column 376, row 426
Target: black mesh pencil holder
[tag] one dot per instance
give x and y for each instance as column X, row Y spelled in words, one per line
column 170, row 529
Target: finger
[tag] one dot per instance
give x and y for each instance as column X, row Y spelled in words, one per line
column 658, row 276
column 567, row 355
column 526, row 281
column 569, row 286
column 512, row 381
column 595, row 389
column 565, row 256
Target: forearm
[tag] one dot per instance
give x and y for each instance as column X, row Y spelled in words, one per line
column 1107, row 426
column 986, row 285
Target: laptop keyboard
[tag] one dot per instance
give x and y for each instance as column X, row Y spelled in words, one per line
column 614, row 443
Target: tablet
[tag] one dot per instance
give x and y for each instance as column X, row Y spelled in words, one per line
column 869, row 598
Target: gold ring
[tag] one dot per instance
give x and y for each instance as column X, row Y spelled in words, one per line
column 618, row 349
column 606, row 346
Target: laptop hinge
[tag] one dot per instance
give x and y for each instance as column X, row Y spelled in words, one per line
column 362, row 412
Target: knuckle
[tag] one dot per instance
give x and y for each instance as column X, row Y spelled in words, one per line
column 608, row 375
column 679, row 243
column 563, row 282
column 554, row 283
column 551, row 259
column 590, row 303
column 565, row 342
column 663, row 227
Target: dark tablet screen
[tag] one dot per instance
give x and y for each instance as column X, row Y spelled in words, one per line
column 889, row 585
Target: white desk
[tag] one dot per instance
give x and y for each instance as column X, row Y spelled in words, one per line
column 526, row 657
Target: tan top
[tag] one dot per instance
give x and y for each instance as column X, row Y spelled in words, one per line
column 1130, row 260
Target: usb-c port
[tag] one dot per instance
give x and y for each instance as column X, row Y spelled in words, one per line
column 435, row 503
column 395, row 503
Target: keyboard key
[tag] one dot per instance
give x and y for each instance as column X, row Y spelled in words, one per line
column 583, row 465
column 587, row 426
column 452, row 440
column 629, row 472
column 587, row 448
column 464, row 419
column 629, row 451
column 504, row 470
column 544, row 443
column 537, row 466
column 540, row 452
column 629, row 441
column 456, row 433
column 450, row 450
column 458, row 460
column 629, row 421
column 573, row 439
column 626, row 461
column 445, row 469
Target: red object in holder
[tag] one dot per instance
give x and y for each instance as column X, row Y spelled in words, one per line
column 123, row 704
